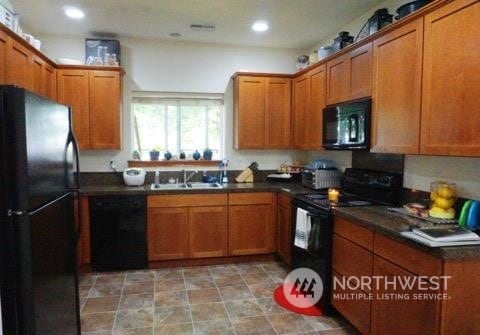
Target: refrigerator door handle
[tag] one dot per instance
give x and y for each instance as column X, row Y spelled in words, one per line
column 12, row 212
column 77, row 160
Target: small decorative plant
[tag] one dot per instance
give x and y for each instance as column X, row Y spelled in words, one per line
column 155, row 153
column 182, row 155
column 207, row 154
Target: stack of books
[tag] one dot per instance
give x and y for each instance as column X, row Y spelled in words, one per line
column 443, row 236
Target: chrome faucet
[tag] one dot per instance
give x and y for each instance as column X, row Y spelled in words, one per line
column 187, row 178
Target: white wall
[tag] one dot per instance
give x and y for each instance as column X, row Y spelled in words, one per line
column 175, row 66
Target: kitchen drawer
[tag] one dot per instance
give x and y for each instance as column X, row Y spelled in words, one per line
column 251, row 198
column 356, row 310
column 353, row 232
column 350, row 259
column 187, row 200
column 413, row 260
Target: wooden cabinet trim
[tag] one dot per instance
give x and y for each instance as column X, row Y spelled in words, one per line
column 415, row 261
column 357, row 311
column 187, row 200
column 353, row 232
column 349, row 259
column 250, row 198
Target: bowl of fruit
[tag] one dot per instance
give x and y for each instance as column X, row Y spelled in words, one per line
column 443, row 196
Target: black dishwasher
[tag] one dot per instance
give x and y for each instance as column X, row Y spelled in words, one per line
column 118, row 232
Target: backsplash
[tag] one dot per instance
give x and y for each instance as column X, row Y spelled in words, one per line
column 111, row 178
column 380, row 162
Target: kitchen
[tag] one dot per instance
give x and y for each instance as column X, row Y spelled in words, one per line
column 141, row 59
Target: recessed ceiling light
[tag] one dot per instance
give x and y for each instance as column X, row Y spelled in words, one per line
column 175, row 35
column 73, row 12
column 260, row 26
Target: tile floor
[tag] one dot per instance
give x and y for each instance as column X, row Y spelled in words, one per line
column 221, row 300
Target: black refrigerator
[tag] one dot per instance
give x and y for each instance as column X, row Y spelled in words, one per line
column 38, row 199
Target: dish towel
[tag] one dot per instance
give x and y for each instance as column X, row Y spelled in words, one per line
column 302, row 229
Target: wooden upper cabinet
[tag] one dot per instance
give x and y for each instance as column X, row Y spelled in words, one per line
column 397, row 77
column 301, row 92
column 44, row 81
column 337, row 88
column 105, row 92
column 49, row 78
column 350, row 75
column 73, row 90
column 3, row 57
column 277, row 113
column 308, row 104
column 313, row 122
column 249, row 112
column 360, row 81
column 37, row 74
column 19, row 65
column 451, row 81
column 94, row 96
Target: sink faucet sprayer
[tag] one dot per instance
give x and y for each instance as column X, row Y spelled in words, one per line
column 187, row 178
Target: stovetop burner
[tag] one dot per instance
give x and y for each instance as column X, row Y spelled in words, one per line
column 345, row 200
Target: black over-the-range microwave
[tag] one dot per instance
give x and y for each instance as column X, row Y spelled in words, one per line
column 346, row 125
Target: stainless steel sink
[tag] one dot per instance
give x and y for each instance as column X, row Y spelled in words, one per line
column 198, row 185
column 188, row 186
column 168, row 186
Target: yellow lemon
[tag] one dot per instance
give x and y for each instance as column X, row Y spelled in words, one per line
column 445, row 192
column 443, row 203
column 433, row 195
column 440, row 213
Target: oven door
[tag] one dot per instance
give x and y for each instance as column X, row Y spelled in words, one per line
column 318, row 254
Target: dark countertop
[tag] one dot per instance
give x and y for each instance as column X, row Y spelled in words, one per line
column 377, row 218
column 290, row 188
column 380, row 219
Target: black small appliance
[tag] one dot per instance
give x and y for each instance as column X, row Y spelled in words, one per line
column 346, row 126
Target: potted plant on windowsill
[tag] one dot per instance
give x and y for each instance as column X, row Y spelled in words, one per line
column 154, row 154
column 207, row 154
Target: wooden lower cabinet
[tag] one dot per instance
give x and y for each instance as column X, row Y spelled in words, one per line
column 284, row 227
column 405, row 315
column 356, row 308
column 352, row 257
column 167, row 233
column 83, row 248
column 251, row 223
column 207, row 231
column 186, row 226
column 437, row 302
